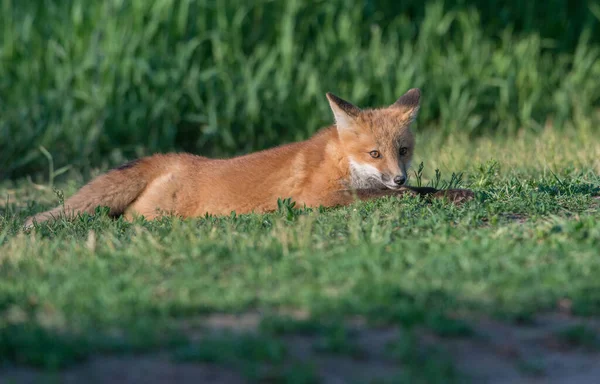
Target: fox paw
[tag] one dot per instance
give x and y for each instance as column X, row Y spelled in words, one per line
column 456, row 196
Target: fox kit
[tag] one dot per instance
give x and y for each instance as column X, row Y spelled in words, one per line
column 365, row 155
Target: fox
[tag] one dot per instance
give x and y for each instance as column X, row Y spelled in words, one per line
column 365, row 154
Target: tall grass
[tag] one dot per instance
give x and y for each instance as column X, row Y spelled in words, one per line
column 93, row 80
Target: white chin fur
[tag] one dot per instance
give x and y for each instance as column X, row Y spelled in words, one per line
column 364, row 176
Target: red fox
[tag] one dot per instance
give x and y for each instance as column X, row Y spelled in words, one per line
column 365, row 154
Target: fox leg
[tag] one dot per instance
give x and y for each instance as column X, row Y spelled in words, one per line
column 157, row 200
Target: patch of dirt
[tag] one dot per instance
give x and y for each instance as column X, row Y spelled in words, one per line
column 516, row 217
column 498, row 353
column 372, row 362
column 503, row 353
column 512, row 217
column 127, row 370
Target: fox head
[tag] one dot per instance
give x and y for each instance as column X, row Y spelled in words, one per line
column 378, row 143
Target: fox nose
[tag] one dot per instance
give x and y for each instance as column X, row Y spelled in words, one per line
column 399, row 180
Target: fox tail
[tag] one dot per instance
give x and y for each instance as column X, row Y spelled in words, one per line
column 116, row 189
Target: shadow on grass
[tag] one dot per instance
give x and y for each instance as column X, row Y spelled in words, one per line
column 376, row 325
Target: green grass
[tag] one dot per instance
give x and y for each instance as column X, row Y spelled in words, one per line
column 579, row 336
column 231, row 349
column 69, row 290
column 510, row 109
column 425, row 364
column 261, row 358
column 95, row 82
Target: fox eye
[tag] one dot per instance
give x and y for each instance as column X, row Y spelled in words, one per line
column 403, row 151
column 375, row 154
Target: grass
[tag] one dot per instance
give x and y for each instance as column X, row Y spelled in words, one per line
column 510, row 109
column 94, row 82
column 579, row 336
column 529, row 240
column 231, row 349
column 424, row 364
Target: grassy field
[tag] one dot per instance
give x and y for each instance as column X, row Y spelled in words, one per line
column 95, row 82
column 501, row 289
column 527, row 246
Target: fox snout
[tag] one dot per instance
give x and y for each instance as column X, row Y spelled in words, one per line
column 393, row 182
column 399, row 180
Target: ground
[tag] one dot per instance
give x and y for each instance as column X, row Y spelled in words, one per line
column 501, row 289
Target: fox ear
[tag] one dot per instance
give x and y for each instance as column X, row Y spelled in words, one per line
column 343, row 111
column 410, row 101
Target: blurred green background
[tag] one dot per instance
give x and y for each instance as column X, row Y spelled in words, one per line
column 98, row 81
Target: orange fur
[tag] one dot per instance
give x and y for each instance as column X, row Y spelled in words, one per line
column 331, row 168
